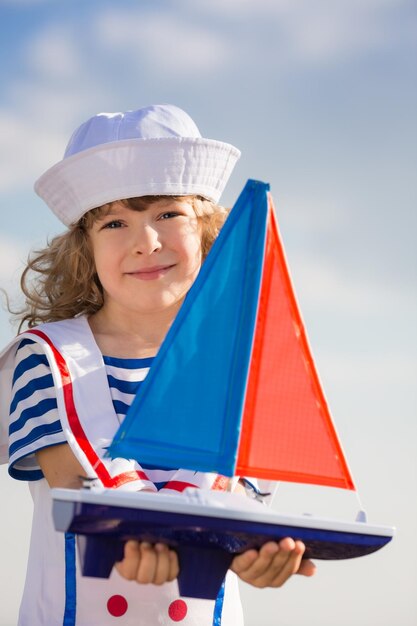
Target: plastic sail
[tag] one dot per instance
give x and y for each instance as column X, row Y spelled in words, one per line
column 188, row 411
column 238, row 346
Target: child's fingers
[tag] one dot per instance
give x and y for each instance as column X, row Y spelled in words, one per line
column 147, row 564
column 128, row 567
column 284, row 565
column 272, row 565
column 257, row 566
column 167, row 568
column 174, row 568
column 304, row 567
column 162, row 569
column 307, row 568
column 243, row 562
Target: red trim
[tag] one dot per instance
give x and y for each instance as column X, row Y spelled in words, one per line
column 112, row 482
column 178, row 485
column 220, row 484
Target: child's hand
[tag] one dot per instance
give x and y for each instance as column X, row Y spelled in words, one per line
column 148, row 564
column 273, row 564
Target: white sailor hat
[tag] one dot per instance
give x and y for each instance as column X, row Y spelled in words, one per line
column 156, row 150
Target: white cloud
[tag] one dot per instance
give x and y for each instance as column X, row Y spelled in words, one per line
column 12, row 260
column 242, row 9
column 165, row 42
column 48, row 99
column 387, row 370
column 57, row 88
column 325, row 286
column 12, row 257
column 326, row 32
column 277, row 8
column 26, row 148
column 306, row 214
column 53, row 53
column 24, row 2
column 319, row 32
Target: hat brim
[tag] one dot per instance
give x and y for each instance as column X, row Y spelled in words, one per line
column 136, row 167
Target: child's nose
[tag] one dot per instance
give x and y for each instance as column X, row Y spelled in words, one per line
column 146, row 240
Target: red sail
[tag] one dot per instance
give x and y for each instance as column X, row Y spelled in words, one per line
column 287, row 431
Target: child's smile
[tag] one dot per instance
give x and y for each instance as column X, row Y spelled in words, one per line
column 147, row 260
column 151, row 273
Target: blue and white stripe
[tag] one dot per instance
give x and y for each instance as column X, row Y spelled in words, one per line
column 34, row 419
column 124, row 377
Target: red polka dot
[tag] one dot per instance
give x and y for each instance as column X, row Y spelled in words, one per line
column 117, row 606
column 177, row 610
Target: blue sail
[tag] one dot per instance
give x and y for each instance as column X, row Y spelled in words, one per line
column 188, row 410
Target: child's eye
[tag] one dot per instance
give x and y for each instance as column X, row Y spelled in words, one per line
column 113, row 224
column 168, row 215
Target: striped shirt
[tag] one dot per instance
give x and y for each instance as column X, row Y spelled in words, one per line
column 34, row 419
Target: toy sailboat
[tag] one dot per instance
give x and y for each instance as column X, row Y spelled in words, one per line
column 236, row 392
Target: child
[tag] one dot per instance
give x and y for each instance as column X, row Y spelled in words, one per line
column 138, row 192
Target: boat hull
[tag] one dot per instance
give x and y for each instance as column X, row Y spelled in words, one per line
column 206, row 537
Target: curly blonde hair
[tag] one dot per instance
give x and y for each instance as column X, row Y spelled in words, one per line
column 60, row 281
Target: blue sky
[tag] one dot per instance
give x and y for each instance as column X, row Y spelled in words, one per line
column 321, row 97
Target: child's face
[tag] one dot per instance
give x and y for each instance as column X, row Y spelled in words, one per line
column 147, row 260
